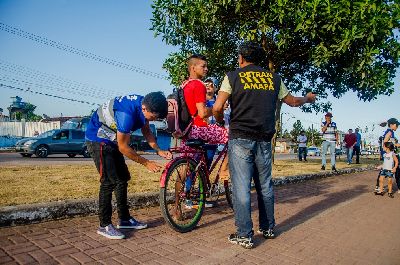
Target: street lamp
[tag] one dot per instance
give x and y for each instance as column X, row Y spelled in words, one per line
column 281, row 121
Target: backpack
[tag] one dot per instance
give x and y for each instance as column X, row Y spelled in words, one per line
column 179, row 119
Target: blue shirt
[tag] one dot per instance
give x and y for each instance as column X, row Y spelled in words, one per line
column 128, row 117
column 358, row 143
column 392, row 138
column 209, row 104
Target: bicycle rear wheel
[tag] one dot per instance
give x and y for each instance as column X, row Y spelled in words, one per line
column 182, row 203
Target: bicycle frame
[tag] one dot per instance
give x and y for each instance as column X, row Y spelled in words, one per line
column 202, row 163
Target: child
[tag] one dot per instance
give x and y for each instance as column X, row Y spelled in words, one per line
column 388, row 168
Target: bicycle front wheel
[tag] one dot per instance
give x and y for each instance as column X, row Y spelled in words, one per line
column 183, row 197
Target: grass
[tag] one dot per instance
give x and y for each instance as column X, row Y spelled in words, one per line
column 33, row 184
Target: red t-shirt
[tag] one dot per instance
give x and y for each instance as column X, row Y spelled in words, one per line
column 195, row 92
column 350, row 139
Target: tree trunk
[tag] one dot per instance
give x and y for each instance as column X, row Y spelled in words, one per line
column 277, row 127
column 272, row 67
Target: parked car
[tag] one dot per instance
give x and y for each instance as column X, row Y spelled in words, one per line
column 366, row 152
column 138, row 142
column 313, row 151
column 63, row 141
column 338, row 152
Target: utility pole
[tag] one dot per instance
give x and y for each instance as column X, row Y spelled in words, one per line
column 312, row 134
column 281, row 124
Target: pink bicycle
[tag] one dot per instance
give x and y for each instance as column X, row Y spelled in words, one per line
column 185, row 185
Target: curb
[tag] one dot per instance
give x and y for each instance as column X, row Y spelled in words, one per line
column 39, row 212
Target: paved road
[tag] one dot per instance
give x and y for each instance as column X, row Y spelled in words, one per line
column 330, row 221
column 14, row 159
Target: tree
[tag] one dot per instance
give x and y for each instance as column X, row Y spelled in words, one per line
column 328, row 46
column 314, row 137
column 30, row 115
column 297, row 128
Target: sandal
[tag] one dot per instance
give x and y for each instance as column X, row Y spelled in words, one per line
column 379, row 193
column 390, row 194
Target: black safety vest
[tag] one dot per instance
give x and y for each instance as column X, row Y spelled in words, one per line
column 253, row 103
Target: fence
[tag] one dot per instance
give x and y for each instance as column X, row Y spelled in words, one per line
column 26, row 129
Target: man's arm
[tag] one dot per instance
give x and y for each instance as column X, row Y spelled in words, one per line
column 123, row 140
column 203, row 111
column 218, row 108
column 299, row 101
column 151, row 140
column 325, row 127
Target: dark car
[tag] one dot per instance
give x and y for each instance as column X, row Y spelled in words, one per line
column 62, row 141
column 138, row 142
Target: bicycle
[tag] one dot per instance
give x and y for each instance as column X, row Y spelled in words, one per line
column 185, row 185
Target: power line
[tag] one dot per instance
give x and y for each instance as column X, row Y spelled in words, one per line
column 67, row 48
column 65, row 85
column 47, row 94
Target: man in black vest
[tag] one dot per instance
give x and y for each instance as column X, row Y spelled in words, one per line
column 253, row 92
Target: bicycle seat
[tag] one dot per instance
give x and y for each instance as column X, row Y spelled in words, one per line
column 195, row 143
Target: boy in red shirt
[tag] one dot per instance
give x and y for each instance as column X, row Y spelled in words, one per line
column 195, row 92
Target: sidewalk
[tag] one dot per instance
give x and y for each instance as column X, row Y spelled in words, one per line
column 336, row 220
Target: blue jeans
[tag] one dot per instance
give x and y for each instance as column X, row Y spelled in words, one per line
column 349, row 152
column 251, row 160
column 302, row 153
column 332, row 147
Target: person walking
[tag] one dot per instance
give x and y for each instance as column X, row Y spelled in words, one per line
column 108, row 138
column 357, row 146
column 350, row 139
column 302, row 141
column 253, row 92
column 330, row 137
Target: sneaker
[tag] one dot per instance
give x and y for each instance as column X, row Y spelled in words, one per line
column 131, row 224
column 379, row 193
column 323, row 167
column 390, row 194
column 334, row 169
column 208, row 204
column 188, row 204
column 268, row 234
column 246, row 242
column 110, row 232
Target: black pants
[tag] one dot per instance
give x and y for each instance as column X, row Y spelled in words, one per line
column 357, row 152
column 302, row 153
column 397, row 175
column 114, row 176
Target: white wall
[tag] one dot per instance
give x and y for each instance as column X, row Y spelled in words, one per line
column 26, row 129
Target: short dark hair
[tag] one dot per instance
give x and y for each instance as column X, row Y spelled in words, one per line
column 252, row 52
column 156, row 103
column 194, row 57
column 389, row 145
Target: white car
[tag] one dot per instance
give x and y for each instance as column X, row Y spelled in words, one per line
column 313, row 151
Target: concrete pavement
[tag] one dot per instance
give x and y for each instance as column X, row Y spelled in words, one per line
column 336, row 220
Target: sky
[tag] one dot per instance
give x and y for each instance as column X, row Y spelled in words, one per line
column 119, row 31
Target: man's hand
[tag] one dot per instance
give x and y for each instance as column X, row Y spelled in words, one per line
column 153, row 166
column 165, row 154
column 311, row 97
